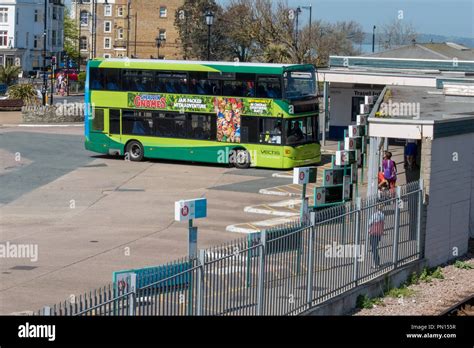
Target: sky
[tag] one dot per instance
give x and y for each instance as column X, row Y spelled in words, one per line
column 440, row 17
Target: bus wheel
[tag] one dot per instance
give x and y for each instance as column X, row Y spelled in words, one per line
column 242, row 159
column 135, row 151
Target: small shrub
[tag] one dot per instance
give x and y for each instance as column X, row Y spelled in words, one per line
column 363, row 301
column 403, row 291
column 463, row 265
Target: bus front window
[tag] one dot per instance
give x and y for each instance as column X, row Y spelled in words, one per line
column 301, row 131
column 300, row 85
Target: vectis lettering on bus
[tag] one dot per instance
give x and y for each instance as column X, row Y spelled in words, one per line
column 148, row 101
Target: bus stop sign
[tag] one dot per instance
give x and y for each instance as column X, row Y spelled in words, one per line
column 304, row 175
column 190, row 209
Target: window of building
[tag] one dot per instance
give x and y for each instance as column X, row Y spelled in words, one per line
column 114, row 121
column 3, row 15
column 3, row 38
column 163, row 12
column 55, row 12
column 27, row 40
column 98, row 120
column 202, row 127
column 84, row 17
column 54, row 37
column 163, row 34
column 120, row 11
column 107, row 10
column 107, row 27
column 107, row 43
column 36, row 16
column 83, row 43
column 120, row 35
column 36, row 41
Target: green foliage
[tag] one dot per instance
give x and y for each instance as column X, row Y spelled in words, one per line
column 402, row 291
column 9, row 74
column 25, row 92
column 463, row 265
column 81, row 79
column 263, row 31
column 191, row 24
column 71, row 36
column 426, row 276
column 363, row 301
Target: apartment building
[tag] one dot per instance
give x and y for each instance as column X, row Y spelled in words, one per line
column 22, row 28
column 127, row 28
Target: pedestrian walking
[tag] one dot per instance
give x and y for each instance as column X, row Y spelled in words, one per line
column 375, row 232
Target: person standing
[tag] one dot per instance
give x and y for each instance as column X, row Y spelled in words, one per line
column 411, row 149
column 389, row 169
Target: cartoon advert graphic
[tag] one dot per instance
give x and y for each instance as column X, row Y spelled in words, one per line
column 229, row 111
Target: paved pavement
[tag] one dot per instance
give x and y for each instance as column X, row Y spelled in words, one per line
column 91, row 215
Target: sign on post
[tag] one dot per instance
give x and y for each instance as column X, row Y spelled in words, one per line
column 190, row 209
column 369, row 100
column 304, row 175
column 324, row 196
column 362, row 120
column 364, row 109
column 344, row 158
column 351, row 144
column 333, row 177
column 356, row 131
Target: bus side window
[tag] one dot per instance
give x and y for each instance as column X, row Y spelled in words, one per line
column 97, row 79
column 114, row 121
column 98, row 120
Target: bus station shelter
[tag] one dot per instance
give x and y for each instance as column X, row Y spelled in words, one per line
column 442, row 123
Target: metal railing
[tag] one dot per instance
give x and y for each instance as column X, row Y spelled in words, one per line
column 283, row 271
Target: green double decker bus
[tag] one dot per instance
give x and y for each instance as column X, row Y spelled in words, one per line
column 245, row 114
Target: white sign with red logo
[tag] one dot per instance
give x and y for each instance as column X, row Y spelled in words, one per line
column 364, row 109
column 349, row 144
column 191, row 209
column 304, row 175
column 362, row 120
column 320, row 194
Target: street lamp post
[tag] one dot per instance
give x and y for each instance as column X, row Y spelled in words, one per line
column 310, row 8
column 209, row 22
column 373, row 39
column 45, row 42
column 159, row 42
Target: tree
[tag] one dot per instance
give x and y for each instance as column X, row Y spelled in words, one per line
column 191, row 24
column 71, row 36
column 9, row 74
column 398, row 33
